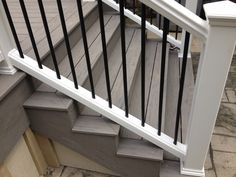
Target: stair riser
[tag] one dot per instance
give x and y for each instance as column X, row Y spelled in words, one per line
column 101, row 149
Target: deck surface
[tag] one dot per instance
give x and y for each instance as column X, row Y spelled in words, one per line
column 51, row 10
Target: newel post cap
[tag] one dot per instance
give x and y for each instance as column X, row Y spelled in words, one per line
column 221, row 13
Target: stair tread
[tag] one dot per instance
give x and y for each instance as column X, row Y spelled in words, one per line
column 96, row 125
column 71, row 17
column 48, row 101
column 94, row 40
column 115, row 64
column 152, row 70
column 139, row 149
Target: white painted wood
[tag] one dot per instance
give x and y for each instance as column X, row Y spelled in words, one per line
column 180, row 15
column 6, row 44
column 137, row 19
column 100, row 105
column 213, row 69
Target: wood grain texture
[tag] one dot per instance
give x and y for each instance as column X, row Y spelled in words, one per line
column 35, row 151
column 4, row 172
column 48, row 151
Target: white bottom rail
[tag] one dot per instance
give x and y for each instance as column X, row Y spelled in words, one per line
column 98, row 104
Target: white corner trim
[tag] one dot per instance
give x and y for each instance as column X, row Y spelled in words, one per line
column 191, row 172
column 7, row 70
column 98, row 104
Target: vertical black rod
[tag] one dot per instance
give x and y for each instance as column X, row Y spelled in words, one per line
column 134, row 4
column 13, row 30
column 63, row 24
column 151, row 15
column 104, row 47
column 176, row 31
column 123, row 50
column 46, row 28
column 181, row 89
column 143, row 40
column 27, row 22
column 81, row 17
column 162, row 76
column 159, row 22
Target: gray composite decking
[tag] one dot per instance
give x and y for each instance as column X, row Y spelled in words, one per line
column 73, row 124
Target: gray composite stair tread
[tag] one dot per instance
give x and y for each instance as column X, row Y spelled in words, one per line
column 96, row 125
column 48, row 101
column 8, row 82
column 139, row 149
column 132, row 62
column 77, row 53
column 115, row 65
column 153, row 103
column 152, row 58
column 96, row 50
column 72, row 20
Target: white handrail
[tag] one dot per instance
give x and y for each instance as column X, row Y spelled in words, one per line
column 98, row 104
column 180, row 15
column 137, row 19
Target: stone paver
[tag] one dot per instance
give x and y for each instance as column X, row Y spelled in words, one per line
column 225, row 164
column 223, row 143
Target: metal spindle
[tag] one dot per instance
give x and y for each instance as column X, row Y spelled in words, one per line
column 63, row 24
column 143, row 40
column 27, row 22
column 134, row 4
column 12, row 27
column 123, row 50
column 162, row 76
column 159, row 22
column 151, row 16
column 81, row 17
column 46, row 28
column 104, row 47
column 181, row 88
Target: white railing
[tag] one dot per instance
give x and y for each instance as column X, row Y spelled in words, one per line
column 218, row 36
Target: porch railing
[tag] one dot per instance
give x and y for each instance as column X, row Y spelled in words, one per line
column 218, row 37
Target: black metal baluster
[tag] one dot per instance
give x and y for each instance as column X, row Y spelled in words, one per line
column 104, row 47
column 27, row 22
column 151, row 15
column 134, row 4
column 159, row 22
column 63, row 24
column 162, row 76
column 46, row 28
column 123, row 50
column 81, row 17
column 13, row 30
column 181, row 88
column 143, row 40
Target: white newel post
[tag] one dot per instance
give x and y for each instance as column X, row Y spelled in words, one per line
column 6, row 44
column 213, row 69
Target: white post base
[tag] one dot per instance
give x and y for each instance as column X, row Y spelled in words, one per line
column 7, row 70
column 191, row 172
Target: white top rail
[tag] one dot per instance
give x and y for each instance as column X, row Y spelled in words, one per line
column 179, row 15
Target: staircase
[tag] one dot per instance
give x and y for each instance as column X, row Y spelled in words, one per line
column 76, row 126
